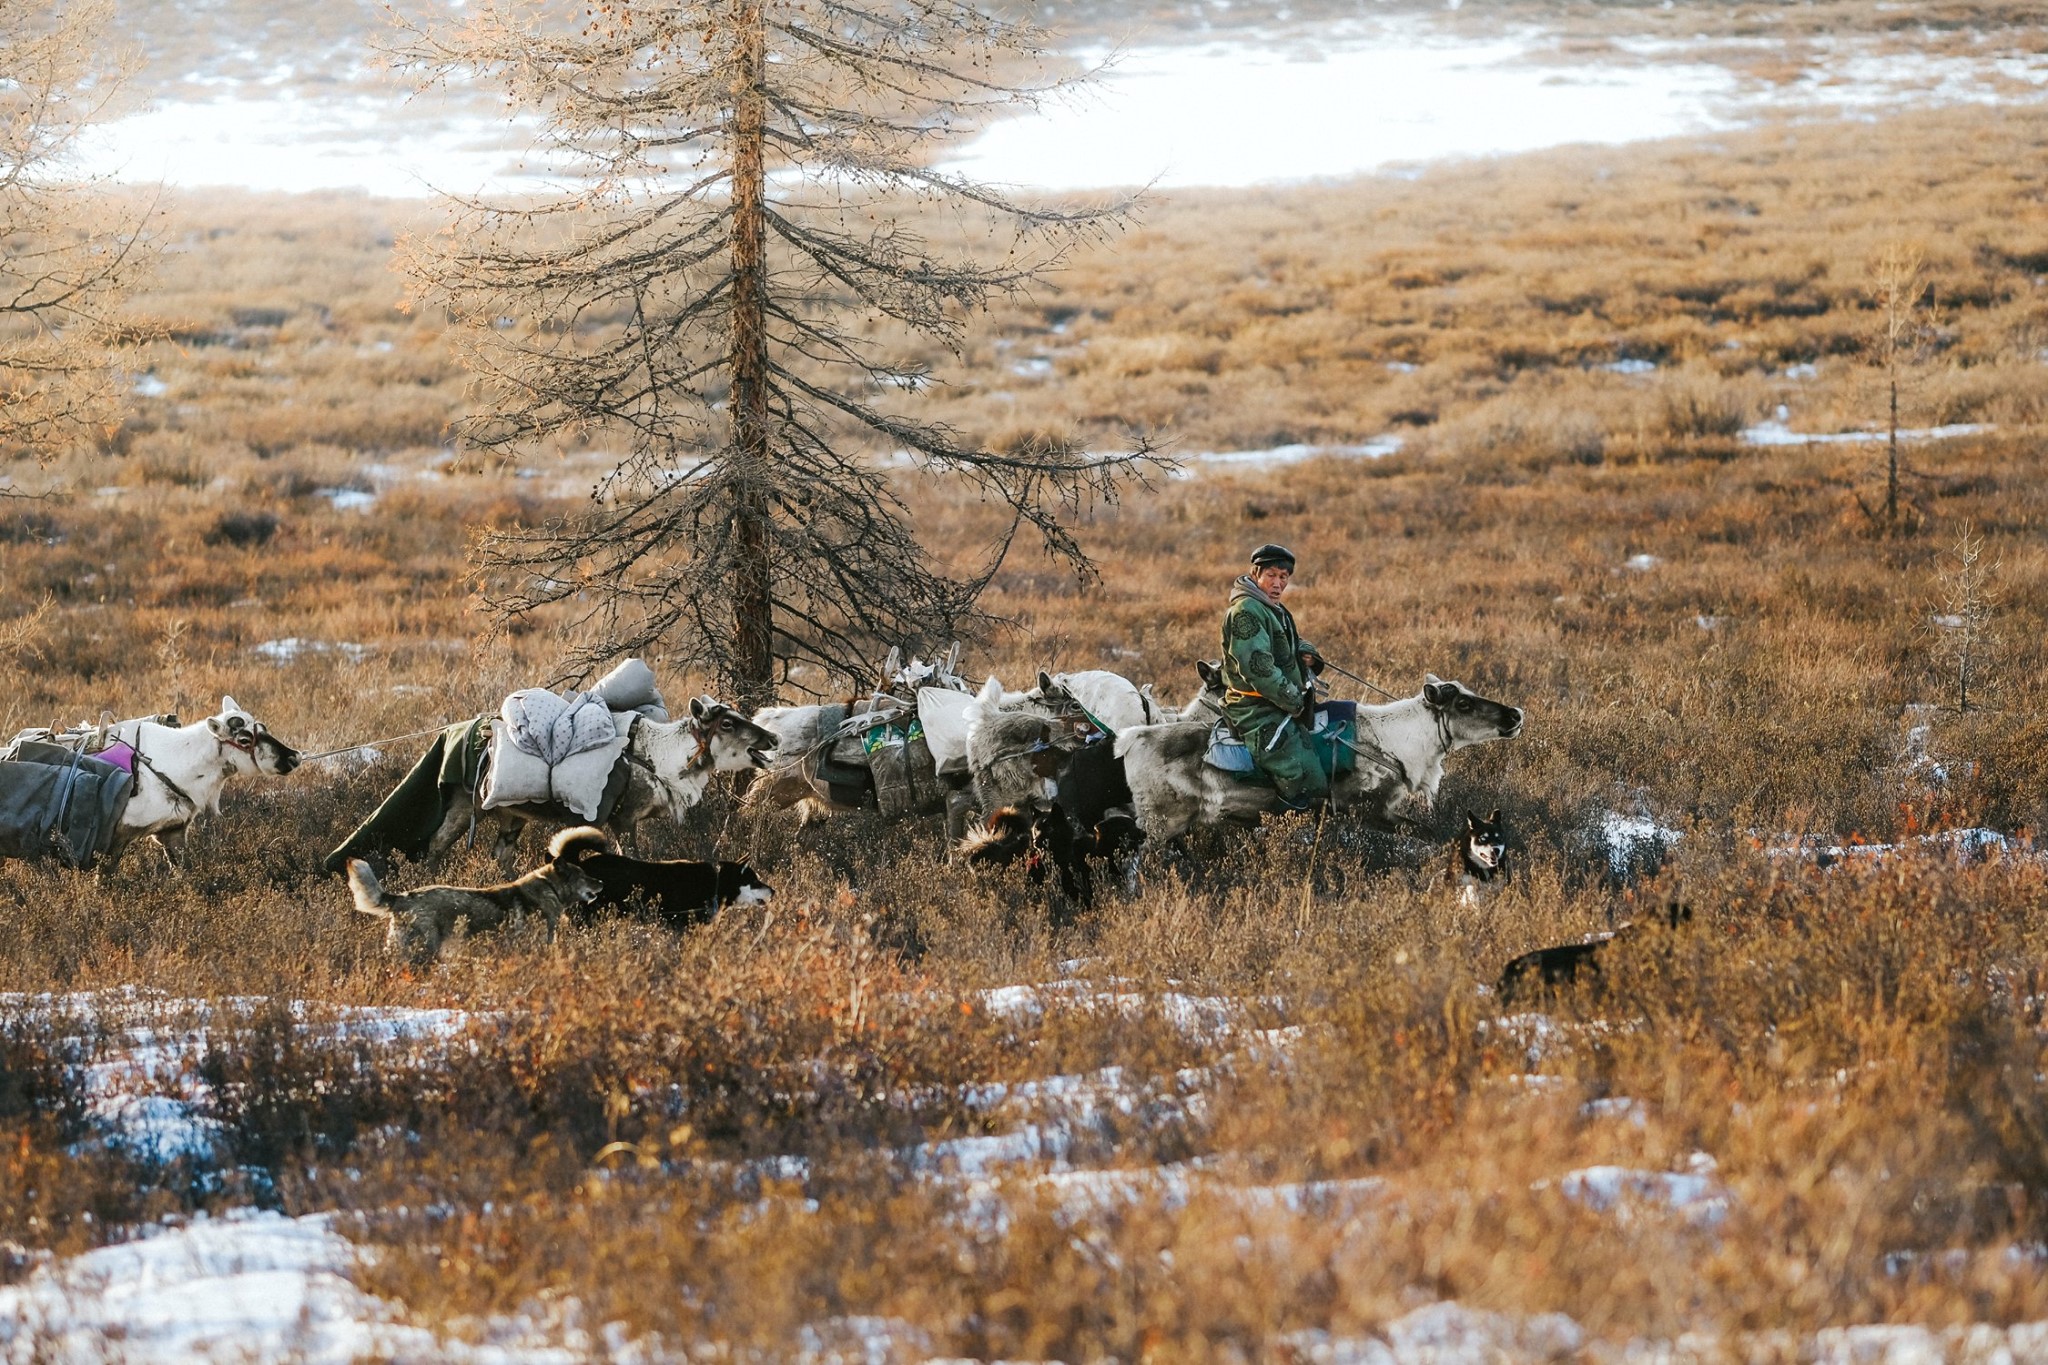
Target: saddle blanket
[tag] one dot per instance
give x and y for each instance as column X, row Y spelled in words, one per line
column 1334, row 740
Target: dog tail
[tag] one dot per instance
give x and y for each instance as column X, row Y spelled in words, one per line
column 572, row 844
column 368, row 893
column 1006, row 834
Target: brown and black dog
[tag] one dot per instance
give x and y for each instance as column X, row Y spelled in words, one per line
column 681, row 892
column 421, row 921
column 1548, row 969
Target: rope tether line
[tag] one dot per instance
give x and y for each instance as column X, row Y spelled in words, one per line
column 389, row 739
column 1342, row 671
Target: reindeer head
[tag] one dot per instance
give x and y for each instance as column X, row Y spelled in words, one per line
column 733, row 742
column 1467, row 717
column 239, row 730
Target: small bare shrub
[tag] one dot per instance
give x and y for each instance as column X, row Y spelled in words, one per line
column 1966, row 639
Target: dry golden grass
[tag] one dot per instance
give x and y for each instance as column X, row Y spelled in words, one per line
column 1858, row 1049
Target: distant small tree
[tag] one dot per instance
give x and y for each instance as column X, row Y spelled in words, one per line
column 1898, row 342
column 759, row 172
column 1965, row 637
column 65, row 257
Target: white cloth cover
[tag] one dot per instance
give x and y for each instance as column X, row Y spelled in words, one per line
column 630, row 687
column 943, row 713
column 1109, row 697
column 518, row 778
column 553, row 728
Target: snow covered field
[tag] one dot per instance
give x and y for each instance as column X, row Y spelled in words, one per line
column 1362, row 96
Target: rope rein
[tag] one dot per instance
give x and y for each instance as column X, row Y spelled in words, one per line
column 391, row 739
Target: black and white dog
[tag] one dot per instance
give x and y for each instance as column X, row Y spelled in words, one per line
column 681, row 892
column 1479, row 863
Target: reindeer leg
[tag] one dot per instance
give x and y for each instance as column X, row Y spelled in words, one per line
column 455, row 826
column 958, row 802
column 171, row 843
column 505, row 842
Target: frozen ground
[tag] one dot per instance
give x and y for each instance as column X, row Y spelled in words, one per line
column 260, row 1286
column 1339, row 100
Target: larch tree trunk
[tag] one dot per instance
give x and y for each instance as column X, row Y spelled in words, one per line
column 753, row 597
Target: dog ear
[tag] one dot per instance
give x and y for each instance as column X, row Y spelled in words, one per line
column 1471, row 820
column 1494, row 818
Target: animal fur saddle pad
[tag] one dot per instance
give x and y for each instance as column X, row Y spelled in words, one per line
column 514, row 775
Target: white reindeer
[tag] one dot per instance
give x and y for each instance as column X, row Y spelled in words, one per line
column 1405, row 743
column 180, row 771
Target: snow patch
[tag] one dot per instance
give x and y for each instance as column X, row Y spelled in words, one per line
column 1695, row 1195
column 145, row 1094
column 1446, row 1333
column 349, row 499
column 292, row 648
column 1777, row 433
column 1634, row 842
column 247, row 1286
column 1277, row 457
column 1974, row 844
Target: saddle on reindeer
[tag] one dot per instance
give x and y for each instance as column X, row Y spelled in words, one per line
column 1334, row 740
column 63, row 792
column 895, row 745
column 907, row 745
column 568, row 758
column 88, row 791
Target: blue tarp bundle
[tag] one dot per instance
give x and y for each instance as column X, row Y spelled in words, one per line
column 53, row 800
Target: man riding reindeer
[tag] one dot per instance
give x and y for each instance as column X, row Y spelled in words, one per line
column 1269, row 675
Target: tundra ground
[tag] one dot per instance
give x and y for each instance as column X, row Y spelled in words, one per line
column 1263, row 1109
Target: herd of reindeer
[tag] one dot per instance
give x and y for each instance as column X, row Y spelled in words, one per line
column 1080, row 767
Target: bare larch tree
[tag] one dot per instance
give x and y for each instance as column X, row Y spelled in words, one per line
column 65, row 252
column 1898, row 342
column 756, row 175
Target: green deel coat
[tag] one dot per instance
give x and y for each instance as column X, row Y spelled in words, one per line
column 1262, row 650
column 1262, row 668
